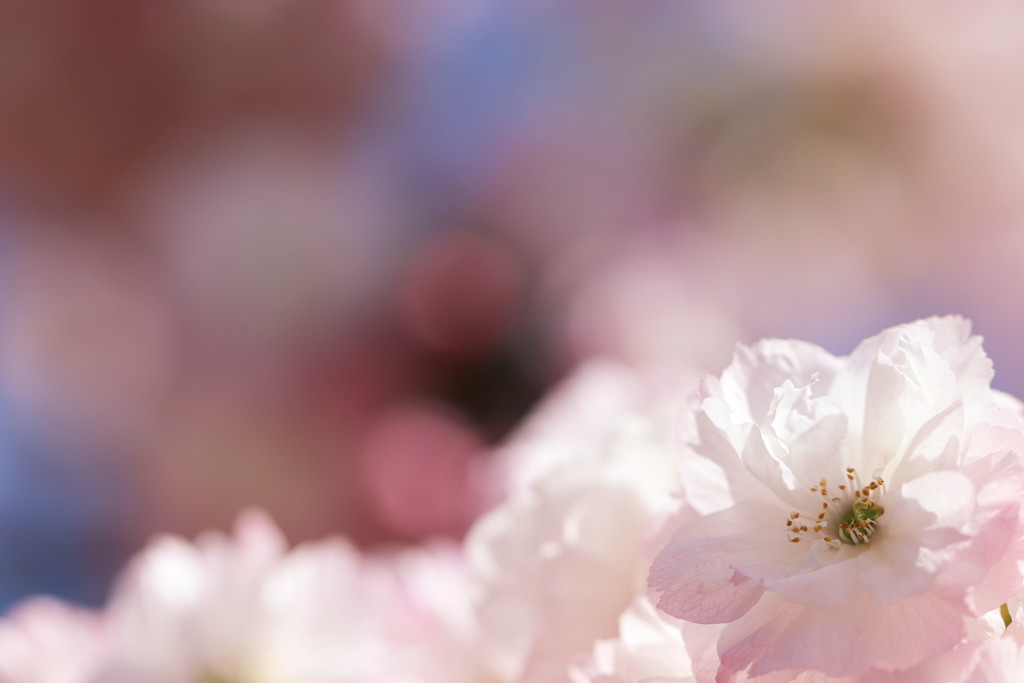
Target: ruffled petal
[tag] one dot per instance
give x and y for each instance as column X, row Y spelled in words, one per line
column 712, row 570
column 749, row 383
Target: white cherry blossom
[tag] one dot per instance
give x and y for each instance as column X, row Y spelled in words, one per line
column 861, row 508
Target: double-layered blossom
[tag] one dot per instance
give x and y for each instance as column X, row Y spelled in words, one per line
column 565, row 555
column 245, row 608
column 241, row 608
column 856, row 510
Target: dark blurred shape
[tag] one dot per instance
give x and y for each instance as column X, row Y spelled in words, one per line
column 462, row 295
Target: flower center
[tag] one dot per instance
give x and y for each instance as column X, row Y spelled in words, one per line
column 849, row 513
column 857, row 527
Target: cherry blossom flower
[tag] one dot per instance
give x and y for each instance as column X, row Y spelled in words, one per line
column 246, row 609
column 239, row 608
column 561, row 559
column 857, row 510
column 242, row 608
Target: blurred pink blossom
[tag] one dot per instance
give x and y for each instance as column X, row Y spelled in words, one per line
column 649, row 648
column 424, row 471
column 46, row 641
column 244, row 607
column 560, row 560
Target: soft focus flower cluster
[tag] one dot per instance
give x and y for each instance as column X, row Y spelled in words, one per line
column 800, row 517
column 321, row 256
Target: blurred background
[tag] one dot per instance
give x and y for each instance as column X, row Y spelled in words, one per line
column 321, row 256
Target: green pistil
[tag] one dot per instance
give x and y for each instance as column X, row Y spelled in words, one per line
column 1004, row 612
column 857, row 527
